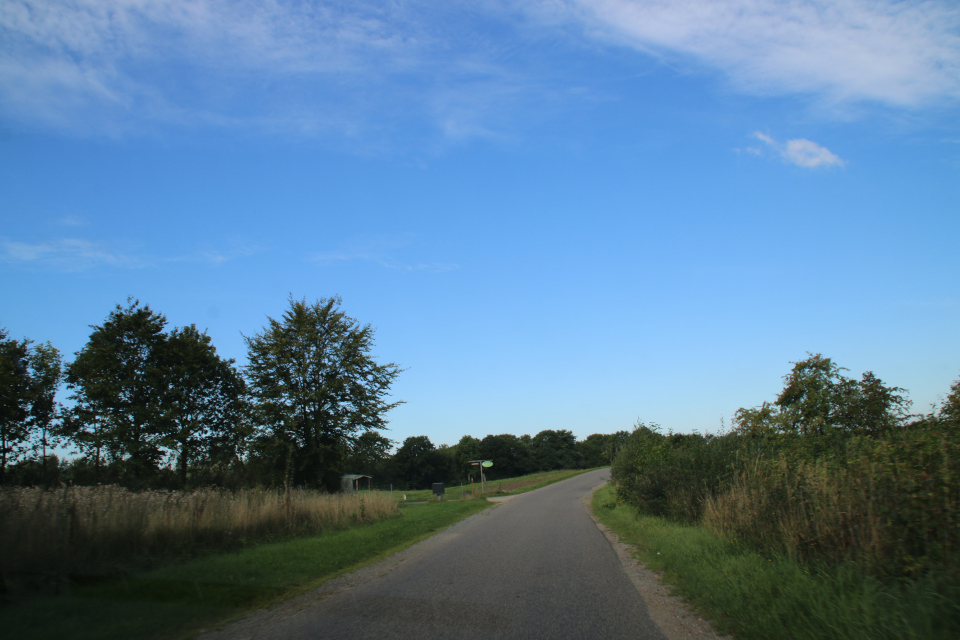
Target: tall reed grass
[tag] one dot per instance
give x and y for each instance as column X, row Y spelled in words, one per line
column 94, row 530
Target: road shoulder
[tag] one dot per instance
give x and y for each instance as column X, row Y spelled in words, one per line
column 677, row 621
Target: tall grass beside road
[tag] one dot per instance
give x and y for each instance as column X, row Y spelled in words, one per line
column 93, row 530
column 890, row 504
column 751, row 594
column 179, row 599
column 834, row 478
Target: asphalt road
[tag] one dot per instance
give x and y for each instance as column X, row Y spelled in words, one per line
column 535, row 566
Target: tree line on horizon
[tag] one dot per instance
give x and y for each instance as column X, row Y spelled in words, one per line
column 152, row 407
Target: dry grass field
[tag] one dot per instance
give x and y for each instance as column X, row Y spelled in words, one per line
column 95, row 530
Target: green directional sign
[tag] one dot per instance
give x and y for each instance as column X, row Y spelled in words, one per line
column 488, row 463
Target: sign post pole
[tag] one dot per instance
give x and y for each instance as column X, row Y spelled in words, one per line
column 483, row 478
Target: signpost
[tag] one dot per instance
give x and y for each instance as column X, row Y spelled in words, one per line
column 482, row 464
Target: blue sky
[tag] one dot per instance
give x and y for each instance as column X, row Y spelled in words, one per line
column 558, row 214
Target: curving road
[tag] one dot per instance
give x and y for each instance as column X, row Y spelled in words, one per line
column 535, row 566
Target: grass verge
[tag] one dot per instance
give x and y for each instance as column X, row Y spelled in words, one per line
column 504, row 487
column 752, row 596
column 178, row 600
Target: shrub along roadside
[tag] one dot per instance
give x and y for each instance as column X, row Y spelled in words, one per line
column 178, row 600
column 758, row 596
column 889, row 504
column 834, row 471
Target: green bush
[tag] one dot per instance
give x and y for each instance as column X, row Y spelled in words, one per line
column 672, row 475
column 803, row 478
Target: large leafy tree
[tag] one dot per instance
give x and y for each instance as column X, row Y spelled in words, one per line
column 510, row 455
column 86, row 428
column 950, row 412
column 14, row 401
column 120, row 381
column 47, row 368
column 206, row 401
column 317, row 387
column 554, row 449
column 466, row 450
column 811, row 396
column 28, row 382
column 368, row 454
column 818, row 400
column 600, row 449
column 419, row 463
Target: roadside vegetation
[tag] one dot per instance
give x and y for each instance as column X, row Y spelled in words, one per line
column 751, row 594
column 178, row 599
column 83, row 531
column 177, row 455
column 834, row 481
column 105, row 562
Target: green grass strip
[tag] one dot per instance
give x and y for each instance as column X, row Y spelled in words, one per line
column 753, row 596
column 178, row 600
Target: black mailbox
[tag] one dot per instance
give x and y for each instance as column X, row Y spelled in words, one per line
column 438, row 489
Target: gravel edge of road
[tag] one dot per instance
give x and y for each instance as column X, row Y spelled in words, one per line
column 676, row 619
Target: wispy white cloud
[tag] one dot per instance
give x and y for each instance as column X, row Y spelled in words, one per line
column 799, row 151
column 383, row 261
column 380, row 251
column 895, row 53
column 72, row 221
column 71, row 254
column 77, row 254
column 762, row 137
column 363, row 66
column 304, row 67
column 806, row 153
column 433, row 267
column 219, row 255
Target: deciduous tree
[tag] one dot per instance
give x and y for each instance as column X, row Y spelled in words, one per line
column 119, row 381
column 510, row 455
column 367, row 453
column 466, row 450
column 317, row 387
column 28, row 382
column 206, row 406
column 46, row 366
column 554, row 449
column 950, row 412
column 418, row 463
column 818, row 400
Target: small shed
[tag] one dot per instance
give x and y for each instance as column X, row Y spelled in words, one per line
column 350, row 482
